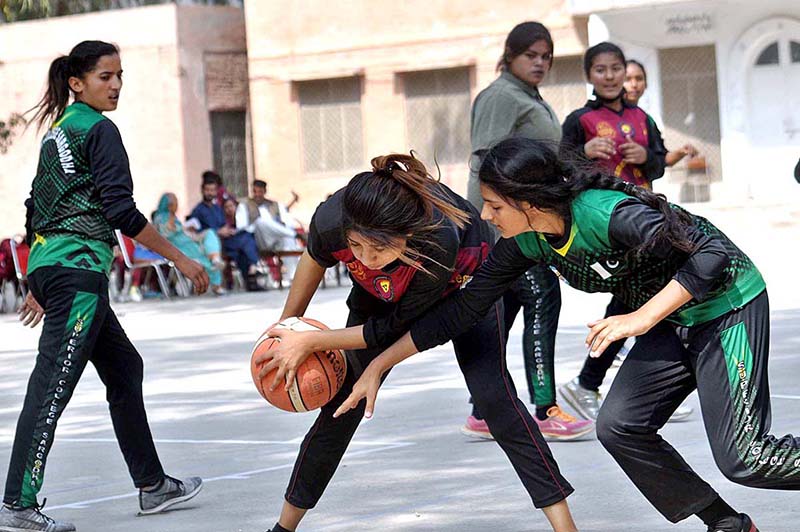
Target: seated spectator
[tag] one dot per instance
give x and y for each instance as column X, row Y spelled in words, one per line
column 222, row 192
column 270, row 223
column 208, row 254
column 241, row 245
column 238, row 245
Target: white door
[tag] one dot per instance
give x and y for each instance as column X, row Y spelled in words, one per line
column 774, row 116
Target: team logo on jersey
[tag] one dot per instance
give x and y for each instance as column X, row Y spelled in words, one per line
column 383, row 286
column 626, row 129
column 604, row 129
column 606, row 268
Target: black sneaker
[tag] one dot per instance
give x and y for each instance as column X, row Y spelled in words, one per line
column 171, row 492
column 740, row 523
column 30, row 519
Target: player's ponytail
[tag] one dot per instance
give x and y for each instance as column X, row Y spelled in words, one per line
column 81, row 59
column 398, row 199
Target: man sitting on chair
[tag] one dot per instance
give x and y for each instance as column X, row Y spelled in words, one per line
column 270, row 223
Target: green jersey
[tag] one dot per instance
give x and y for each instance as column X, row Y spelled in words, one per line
column 82, row 192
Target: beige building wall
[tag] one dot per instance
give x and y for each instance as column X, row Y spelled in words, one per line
column 378, row 40
column 162, row 114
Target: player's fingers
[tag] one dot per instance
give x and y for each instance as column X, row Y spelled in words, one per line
column 39, row 316
column 347, row 405
column 290, row 374
column 370, row 409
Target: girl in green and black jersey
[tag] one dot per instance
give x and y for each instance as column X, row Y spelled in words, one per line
column 82, row 192
column 701, row 317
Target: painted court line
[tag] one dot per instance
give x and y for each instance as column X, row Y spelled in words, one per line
column 243, row 475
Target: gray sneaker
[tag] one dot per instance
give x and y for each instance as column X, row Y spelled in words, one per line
column 30, row 519
column 585, row 402
column 171, row 492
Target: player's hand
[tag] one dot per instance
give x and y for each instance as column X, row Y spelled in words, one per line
column 608, row 330
column 632, row 153
column 195, row 272
column 293, row 348
column 31, row 312
column 599, row 148
column 365, row 387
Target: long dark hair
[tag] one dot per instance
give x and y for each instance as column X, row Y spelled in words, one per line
column 397, row 199
column 522, row 169
column 81, row 59
column 520, row 39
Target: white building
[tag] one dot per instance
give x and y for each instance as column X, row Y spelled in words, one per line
column 723, row 74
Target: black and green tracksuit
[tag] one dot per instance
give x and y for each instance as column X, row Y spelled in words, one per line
column 717, row 343
column 82, row 192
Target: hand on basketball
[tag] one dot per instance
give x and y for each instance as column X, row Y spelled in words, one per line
column 599, row 148
column 608, row 330
column 632, row 153
column 31, row 312
column 365, row 387
column 291, row 351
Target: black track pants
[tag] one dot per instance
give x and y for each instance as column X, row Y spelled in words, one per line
column 79, row 327
column 481, row 357
column 726, row 360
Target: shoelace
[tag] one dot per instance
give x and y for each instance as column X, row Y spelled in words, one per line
column 38, row 509
column 560, row 414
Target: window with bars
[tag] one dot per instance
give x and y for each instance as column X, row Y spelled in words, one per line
column 437, row 114
column 230, row 150
column 691, row 114
column 564, row 87
column 330, row 124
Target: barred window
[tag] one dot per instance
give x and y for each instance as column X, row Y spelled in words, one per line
column 230, row 149
column 564, row 87
column 437, row 114
column 330, row 123
column 690, row 110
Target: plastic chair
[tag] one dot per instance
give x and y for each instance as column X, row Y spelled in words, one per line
column 130, row 266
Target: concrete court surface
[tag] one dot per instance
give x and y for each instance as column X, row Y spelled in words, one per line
column 408, row 469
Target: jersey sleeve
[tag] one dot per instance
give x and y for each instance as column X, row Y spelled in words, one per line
column 463, row 309
column 108, row 163
column 656, row 161
column 634, row 223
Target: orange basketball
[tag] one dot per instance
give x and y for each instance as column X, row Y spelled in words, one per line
column 318, row 379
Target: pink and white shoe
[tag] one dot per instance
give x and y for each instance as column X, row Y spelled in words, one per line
column 560, row 426
column 476, row 428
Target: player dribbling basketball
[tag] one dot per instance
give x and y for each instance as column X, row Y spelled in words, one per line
column 407, row 242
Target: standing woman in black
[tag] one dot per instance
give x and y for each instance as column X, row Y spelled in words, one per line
column 82, row 192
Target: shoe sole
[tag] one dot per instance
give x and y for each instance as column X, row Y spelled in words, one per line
column 15, row 529
column 172, row 502
column 466, row 431
column 549, row 436
column 574, row 403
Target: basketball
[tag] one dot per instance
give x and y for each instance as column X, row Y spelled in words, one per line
column 318, row 378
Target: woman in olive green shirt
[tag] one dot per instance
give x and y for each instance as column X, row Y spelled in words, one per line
column 512, row 107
